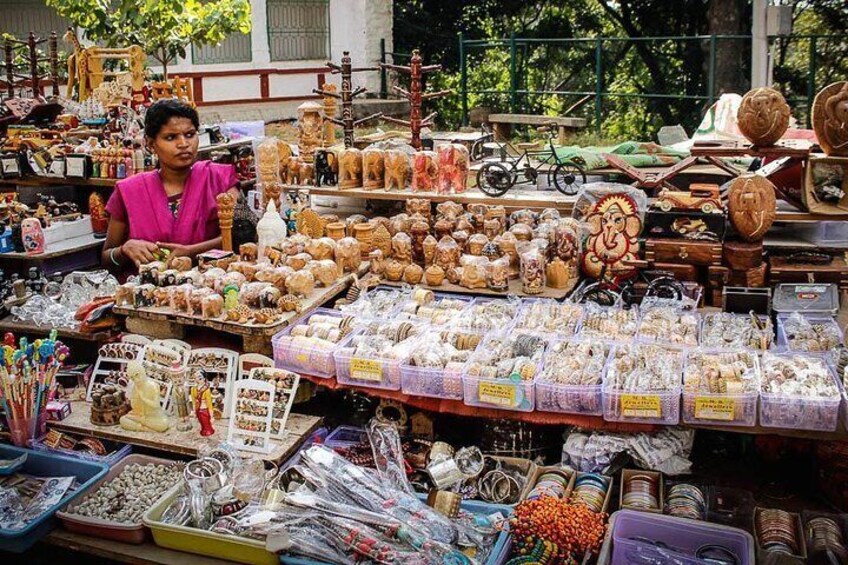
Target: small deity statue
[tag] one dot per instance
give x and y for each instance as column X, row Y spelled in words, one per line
column 97, row 211
column 146, row 413
column 310, row 135
column 201, row 399
column 271, row 230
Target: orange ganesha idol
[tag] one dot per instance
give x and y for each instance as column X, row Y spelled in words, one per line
column 425, row 172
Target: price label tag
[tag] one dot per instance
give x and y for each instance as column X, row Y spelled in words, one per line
column 302, row 357
column 495, row 393
column 709, row 408
column 366, row 370
column 641, row 406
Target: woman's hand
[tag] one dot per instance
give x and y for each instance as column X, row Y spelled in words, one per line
column 140, row 251
column 177, row 249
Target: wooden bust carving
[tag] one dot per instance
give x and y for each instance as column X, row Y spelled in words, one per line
column 763, row 116
column 830, row 118
column 752, row 206
column 397, row 169
column 350, row 168
column 372, row 169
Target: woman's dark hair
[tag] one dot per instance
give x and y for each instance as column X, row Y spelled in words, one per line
column 159, row 113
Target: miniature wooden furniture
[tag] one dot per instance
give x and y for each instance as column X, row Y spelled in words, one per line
column 502, row 124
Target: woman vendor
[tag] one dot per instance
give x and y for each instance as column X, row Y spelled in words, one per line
column 173, row 208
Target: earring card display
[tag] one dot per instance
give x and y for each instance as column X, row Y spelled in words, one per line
column 253, row 412
column 111, row 365
column 285, row 385
column 167, row 363
column 220, row 367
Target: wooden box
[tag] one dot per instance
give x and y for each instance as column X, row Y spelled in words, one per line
column 782, row 270
column 676, row 224
column 743, row 255
column 755, row 277
column 826, row 171
column 682, row 251
column 686, row 273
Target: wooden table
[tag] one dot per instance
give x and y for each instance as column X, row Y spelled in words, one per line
column 299, row 427
column 515, row 289
column 163, row 323
column 77, row 253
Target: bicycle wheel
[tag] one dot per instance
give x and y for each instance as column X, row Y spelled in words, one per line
column 494, row 179
column 568, row 178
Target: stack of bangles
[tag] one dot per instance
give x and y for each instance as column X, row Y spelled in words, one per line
column 590, row 489
column 550, row 483
column 776, row 531
column 641, row 491
column 686, row 501
column 497, row 485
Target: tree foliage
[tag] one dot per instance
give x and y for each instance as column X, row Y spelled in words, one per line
column 163, row 28
column 677, row 70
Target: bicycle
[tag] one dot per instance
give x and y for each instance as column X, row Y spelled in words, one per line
column 495, row 178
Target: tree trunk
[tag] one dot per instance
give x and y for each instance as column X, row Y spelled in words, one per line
column 726, row 17
column 164, row 61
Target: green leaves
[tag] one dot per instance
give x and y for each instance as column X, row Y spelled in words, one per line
column 163, row 28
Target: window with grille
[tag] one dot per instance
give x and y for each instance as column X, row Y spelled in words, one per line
column 234, row 49
column 298, row 29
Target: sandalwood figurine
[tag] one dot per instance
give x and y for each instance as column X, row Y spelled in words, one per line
column 309, row 130
column 396, row 169
column 201, row 399
column 429, row 248
column 372, row 169
column 434, row 275
column 830, row 118
column 350, row 168
column 226, row 210
column 452, row 160
column 763, row 116
column 752, row 206
column 425, row 171
column 364, row 234
column 146, row 413
column 402, row 248
column 448, row 254
column 419, row 232
column 418, row 206
column 394, row 270
column 377, row 262
column 271, row 191
column 382, row 239
column 348, row 254
column 413, row 274
column 267, row 162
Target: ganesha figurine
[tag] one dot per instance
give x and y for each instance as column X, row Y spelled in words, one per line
column 402, row 248
column 452, row 159
column 429, row 248
column 419, row 232
column 448, row 253
column 763, row 116
column 418, row 206
column 372, row 169
column 830, row 118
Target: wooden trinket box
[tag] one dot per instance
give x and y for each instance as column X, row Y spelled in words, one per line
column 743, row 255
column 783, row 270
column 678, row 224
column 755, row 277
column 683, row 251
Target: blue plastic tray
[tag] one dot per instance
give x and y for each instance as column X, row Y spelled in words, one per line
column 44, row 465
column 499, row 552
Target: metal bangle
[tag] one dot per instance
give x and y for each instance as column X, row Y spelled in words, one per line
column 112, row 257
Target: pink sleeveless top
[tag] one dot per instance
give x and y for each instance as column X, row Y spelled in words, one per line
column 141, row 202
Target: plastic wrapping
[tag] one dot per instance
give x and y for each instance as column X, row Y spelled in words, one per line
column 570, row 381
column 642, row 384
column 723, row 329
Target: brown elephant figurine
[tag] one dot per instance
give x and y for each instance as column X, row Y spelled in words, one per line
column 350, row 168
column 396, row 169
column 372, row 169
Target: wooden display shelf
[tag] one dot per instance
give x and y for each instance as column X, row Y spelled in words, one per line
column 8, row 324
column 147, row 553
column 162, row 322
column 59, row 249
column 299, row 427
column 514, row 290
column 31, row 180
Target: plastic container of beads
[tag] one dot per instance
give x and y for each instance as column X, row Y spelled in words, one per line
column 795, row 411
column 443, row 310
column 373, row 370
column 547, row 316
column 631, row 396
column 823, row 324
column 490, row 381
column 488, row 314
column 738, row 373
column 301, row 353
column 436, row 381
column 571, row 377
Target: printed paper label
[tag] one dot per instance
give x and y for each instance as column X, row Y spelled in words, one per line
column 494, row 393
column 709, row 408
column 302, row 357
column 641, row 406
column 366, row 370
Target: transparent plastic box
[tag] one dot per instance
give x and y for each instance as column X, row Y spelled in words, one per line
column 684, row 332
column 449, row 317
column 714, row 326
column 800, row 412
column 503, row 391
column 646, row 406
column 435, row 382
column 817, row 319
column 368, row 370
column 473, row 318
column 378, row 303
column 728, row 409
column 547, row 316
column 572, row 398
column 611, row 323
column 311, row 360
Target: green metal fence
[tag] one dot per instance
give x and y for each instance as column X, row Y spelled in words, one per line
column 517, row 96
